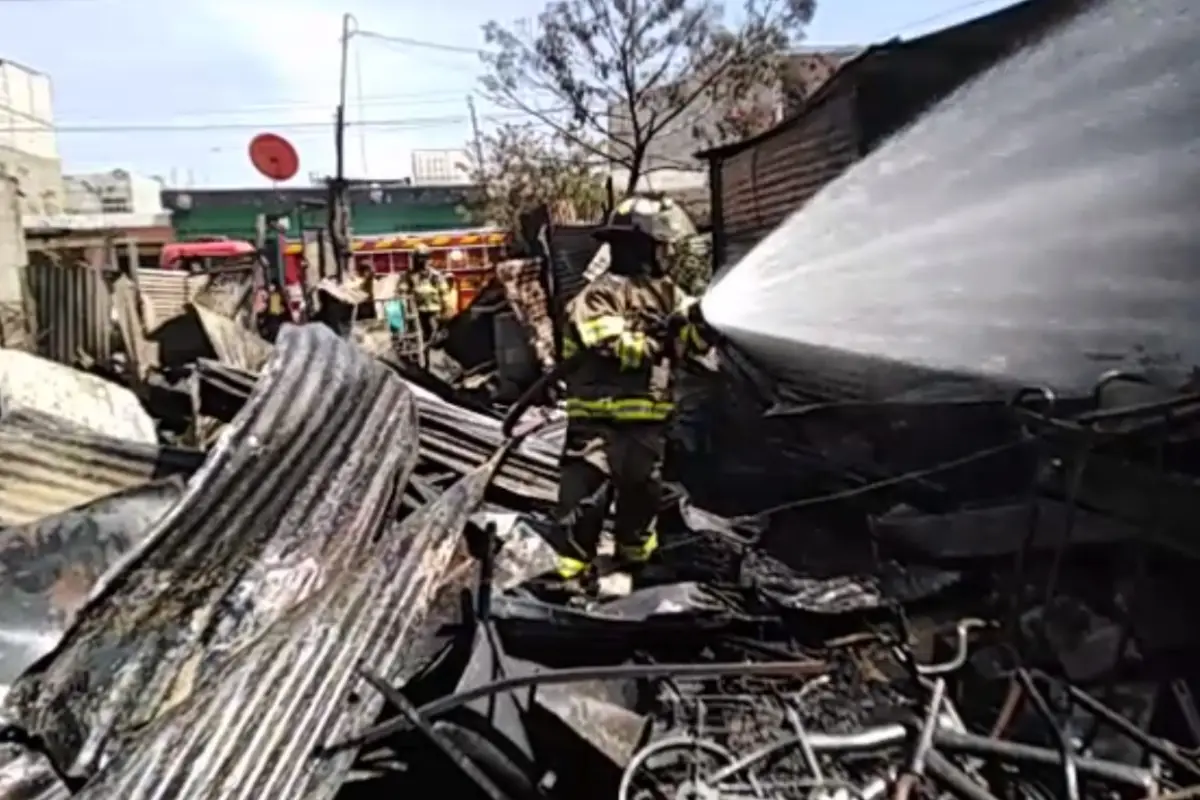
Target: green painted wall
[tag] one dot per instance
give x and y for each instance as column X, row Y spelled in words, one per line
column 237, row 221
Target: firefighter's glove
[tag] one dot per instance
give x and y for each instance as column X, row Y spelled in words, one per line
column 635, row 349
column 695, row 317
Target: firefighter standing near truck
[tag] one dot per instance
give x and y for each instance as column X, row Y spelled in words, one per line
column 429, row 289
column 625, row 329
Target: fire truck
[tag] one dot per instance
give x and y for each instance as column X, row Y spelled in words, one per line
column 468, row 257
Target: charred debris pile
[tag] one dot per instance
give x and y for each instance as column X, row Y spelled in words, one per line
column 332, row 580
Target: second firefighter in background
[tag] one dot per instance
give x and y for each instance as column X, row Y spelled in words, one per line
column 624, row 330
column 432, row 292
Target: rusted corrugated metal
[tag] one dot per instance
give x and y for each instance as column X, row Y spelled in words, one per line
column 248, row 543
column 48, row 466
column 166, row 293
column 252, row 731
column 757, row 183
column 763, row 184
column 73, row 311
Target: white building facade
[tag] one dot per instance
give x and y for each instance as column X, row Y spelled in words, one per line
column 28, row 144
column 440, row 167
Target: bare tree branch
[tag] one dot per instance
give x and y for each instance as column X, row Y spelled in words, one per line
column 625, row 72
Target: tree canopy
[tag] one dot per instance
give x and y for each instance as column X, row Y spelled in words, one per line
column 609, row 77
column 521, row 166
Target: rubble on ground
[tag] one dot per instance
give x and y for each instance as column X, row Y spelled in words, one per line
column 327, row 575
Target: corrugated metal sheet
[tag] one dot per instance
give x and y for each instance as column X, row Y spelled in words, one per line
column 251, row 732
column 762, row 185
column 452, row 437
column 48, row 567
column 233, row 344
column 48, row 466
column 573, row 247
column 522, row 282
column 166, row 293
column 229, row 294
column 73, row 311
column 36, row 384
column 292, row 497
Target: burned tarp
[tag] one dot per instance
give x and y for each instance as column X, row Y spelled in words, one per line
column 298, row 488
column 48, row 567
column 252, row 728
column 48, row 465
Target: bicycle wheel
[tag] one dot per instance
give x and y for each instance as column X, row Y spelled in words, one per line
column 674, row 769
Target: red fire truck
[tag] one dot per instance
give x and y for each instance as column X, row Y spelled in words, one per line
column 469, row 256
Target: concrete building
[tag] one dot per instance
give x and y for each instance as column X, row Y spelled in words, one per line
column 115, row 193
column 28, row 145
column 440, row 167
column 670, row 165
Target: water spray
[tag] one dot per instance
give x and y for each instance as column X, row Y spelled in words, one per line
column 1035, row 228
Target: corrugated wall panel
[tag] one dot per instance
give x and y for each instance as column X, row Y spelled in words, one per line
column 165, row 293
column 763, row 184
column 74, row 311
column 573, row 247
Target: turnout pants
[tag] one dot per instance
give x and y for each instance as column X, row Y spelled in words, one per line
column 600, row 460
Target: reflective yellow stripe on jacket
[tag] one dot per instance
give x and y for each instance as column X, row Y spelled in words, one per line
column 619, row 409
column 595, row 331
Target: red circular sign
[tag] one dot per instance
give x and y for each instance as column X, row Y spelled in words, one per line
column 274, row 157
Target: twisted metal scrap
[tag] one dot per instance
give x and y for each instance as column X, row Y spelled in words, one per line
column 252, row 729
column 300, row 486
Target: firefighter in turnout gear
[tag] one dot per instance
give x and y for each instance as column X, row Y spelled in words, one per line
column 429, row 289
column 625, row 329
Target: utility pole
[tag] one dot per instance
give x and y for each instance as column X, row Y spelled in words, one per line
column 478, row 136
column 339, row 206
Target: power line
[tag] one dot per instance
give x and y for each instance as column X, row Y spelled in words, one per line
column 419, row 43
column 411, row 123
column 415, row 99
column 937, row 17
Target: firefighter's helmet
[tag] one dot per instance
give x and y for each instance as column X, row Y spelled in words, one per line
column 420, row 256
column 659, row 218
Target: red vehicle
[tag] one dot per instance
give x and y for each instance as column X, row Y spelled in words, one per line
column 199, row 256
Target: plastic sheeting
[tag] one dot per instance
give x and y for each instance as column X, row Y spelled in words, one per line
column 1034, row 229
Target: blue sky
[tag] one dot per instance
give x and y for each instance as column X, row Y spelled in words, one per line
column 230, row 68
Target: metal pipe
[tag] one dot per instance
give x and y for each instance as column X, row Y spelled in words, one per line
column 449, row 703
column 1016, row 753
column 954, row 779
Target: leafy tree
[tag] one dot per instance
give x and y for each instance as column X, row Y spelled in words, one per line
column 612, row 76
column 519, row 167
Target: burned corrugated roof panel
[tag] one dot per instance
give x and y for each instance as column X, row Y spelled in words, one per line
column 48, row 567
column 252, row 729
column 300, row 486
column 48, row 465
